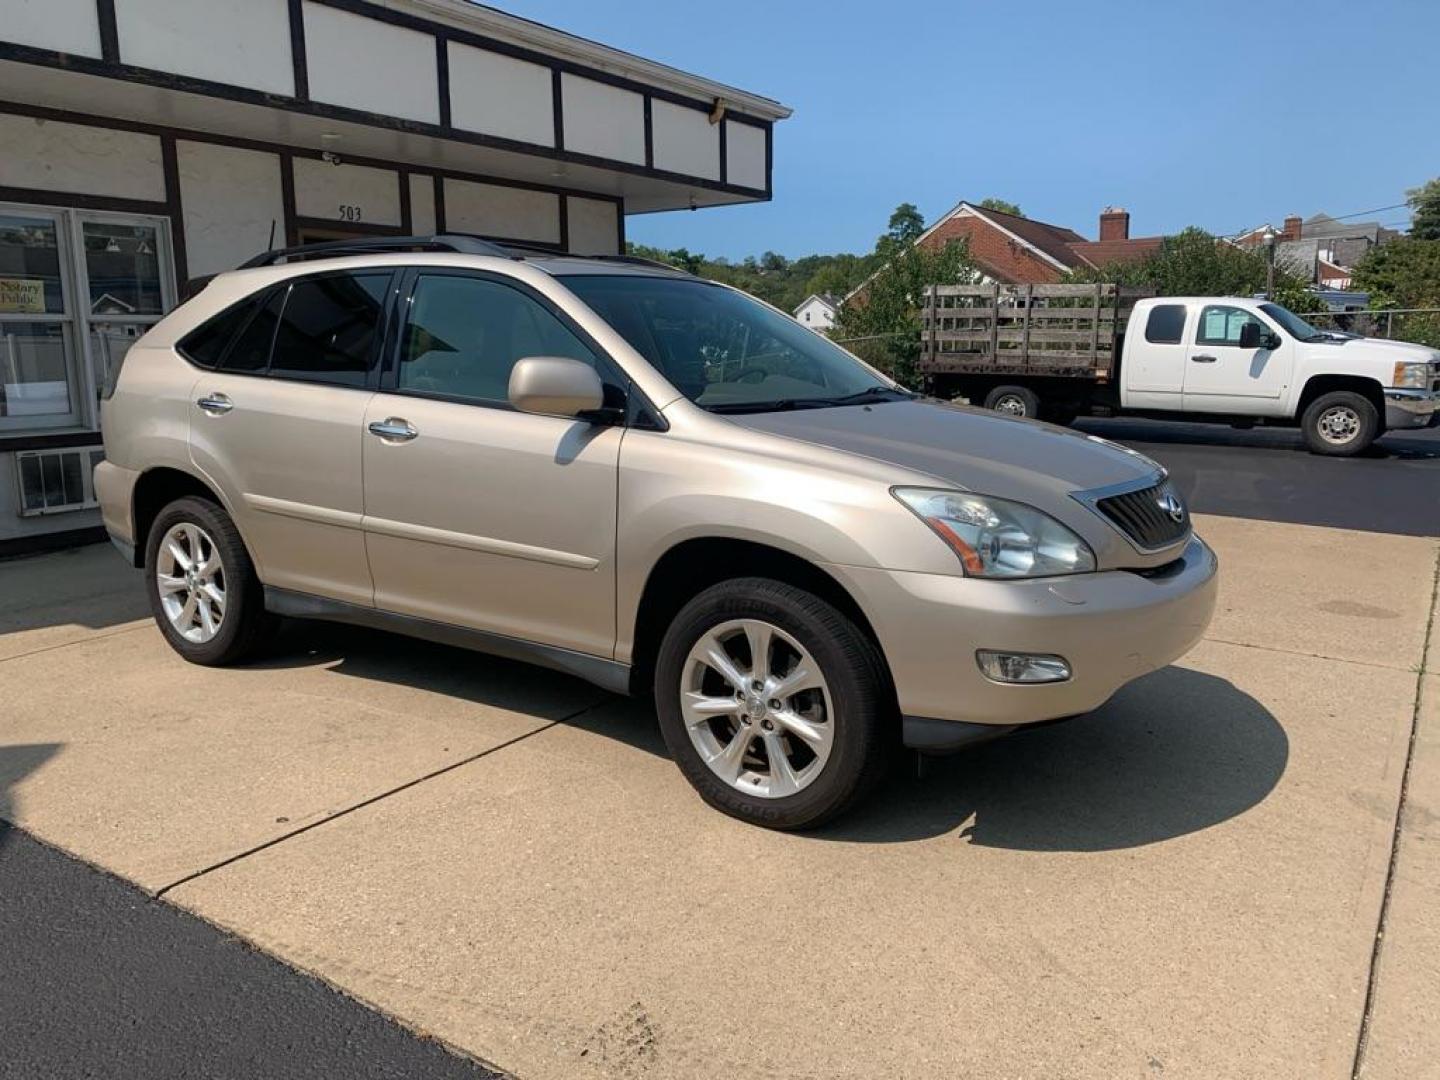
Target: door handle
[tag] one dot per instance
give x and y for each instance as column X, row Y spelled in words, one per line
column 394, row 429
column 1203, row 359
column 215, row 404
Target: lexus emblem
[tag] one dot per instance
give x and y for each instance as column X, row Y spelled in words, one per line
column 1172, row 505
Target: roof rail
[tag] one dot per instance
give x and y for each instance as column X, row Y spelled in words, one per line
column 639, row 260
column 375, row 245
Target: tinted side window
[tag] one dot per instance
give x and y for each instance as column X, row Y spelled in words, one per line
column 207, row 342
column 465, row 334
column 1221, row 325
column 330, row 328
column 1166, row 324
column 251, row 351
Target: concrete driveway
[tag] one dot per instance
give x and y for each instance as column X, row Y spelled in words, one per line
column 1188, row 882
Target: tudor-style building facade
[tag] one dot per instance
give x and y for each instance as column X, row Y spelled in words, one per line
column 148, row 143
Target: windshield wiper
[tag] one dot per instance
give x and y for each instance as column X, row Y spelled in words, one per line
column 871, row 393
column 860, row 397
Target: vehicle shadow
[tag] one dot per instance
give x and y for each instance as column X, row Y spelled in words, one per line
column 17, row 762
column 1414, row 445
column 1175, row 752
column 88, row 586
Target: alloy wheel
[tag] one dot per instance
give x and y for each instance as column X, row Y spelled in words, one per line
column 190, row 578
column 1013, row 404
column 757, row 708
column 1338, row 425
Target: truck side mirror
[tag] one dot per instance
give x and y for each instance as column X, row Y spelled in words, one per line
column 1255, row 336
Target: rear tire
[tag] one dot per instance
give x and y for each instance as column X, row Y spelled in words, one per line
column 203, row 590
column 1014, row 401
column 1340, row 424
column 771, row 754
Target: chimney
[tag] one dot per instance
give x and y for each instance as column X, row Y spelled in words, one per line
column 1291, row 231
column 1114, row 223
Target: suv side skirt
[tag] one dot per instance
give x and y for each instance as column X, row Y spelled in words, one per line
column 609, row 675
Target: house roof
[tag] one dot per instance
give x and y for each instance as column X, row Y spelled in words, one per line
column 1053, row 240
column 829, row 301
column 1101, row 253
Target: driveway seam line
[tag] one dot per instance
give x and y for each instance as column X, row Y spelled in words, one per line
column 1367, row 1015
column 1316, row 656
column 77, row 641
column 371, row 800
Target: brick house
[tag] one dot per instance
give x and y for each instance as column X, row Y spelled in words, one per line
column 1015, row 250
column 1320, row 249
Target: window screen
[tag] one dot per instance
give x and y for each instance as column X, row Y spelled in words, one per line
column 1166, row 324
column 330, row 328
column 251, row 351
column 1221, row 325
column 466, row 333
column 206, row 343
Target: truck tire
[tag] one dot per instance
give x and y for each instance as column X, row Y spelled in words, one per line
column 1340, row 424
column 1014, row 401
column 787, row 742
column 203, row 590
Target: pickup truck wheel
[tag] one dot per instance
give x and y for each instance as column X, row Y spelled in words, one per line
column 202, row 586
column 773, row 703
column 1014, row 401
column 1340, row 424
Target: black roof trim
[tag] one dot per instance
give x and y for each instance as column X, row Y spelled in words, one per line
column 377, row 245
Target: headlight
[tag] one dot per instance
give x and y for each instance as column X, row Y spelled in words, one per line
column 996, row 538
column 1412, row 374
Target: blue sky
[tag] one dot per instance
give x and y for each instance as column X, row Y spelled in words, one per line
column 1216, row 114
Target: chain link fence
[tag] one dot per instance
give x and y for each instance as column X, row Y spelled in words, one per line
column 1397, row 324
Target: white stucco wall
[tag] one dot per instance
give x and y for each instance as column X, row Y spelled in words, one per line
column 55, row 156
column 71, row 26
column 230, row 199
column 744, row 155
column 366, row 64
column 685, row 140
column 816, row 315
column 499, row 95
column 422, row 204
column 243, row 44
column 492, row 210
column 603, row 120
column 594, row 226
column 346, row 194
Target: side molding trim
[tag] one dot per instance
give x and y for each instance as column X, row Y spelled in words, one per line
column 607, row 674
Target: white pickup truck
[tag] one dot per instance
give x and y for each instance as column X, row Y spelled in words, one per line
column 1222, row 359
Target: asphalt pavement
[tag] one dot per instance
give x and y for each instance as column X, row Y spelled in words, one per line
column 1266, row 474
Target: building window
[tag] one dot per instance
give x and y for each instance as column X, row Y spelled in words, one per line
column 77, row 288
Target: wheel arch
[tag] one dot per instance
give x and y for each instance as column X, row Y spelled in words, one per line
column 694, row 564
column 156, row 489
column 1318, row 385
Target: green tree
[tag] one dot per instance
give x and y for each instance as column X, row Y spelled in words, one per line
column 1425, row 202
column 886, row 313
column 1404, row 273
column 1005, row 206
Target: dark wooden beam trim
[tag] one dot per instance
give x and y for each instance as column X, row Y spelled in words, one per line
column 59, row 441
column 769, row 159
column 724, row 151
column 203, row 87
column 287, row 197
column 76, row 201
column 620, row 225
column 439, row 203
column 407, row 222
column 442, row 79
column 175, row 209
column 359, row 228
column 649, row 135
column 109, row 31
column 557, row 98
column 564, row 222
column 298, row 58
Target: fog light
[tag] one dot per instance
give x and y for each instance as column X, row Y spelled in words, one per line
column 1013, row 667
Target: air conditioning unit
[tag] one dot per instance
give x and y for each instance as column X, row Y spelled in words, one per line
column 57, row 481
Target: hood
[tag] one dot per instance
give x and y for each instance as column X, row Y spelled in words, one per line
column 1381, row 349
column 964, row 447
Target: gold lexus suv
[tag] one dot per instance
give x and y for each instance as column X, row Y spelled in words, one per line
column 651, row 481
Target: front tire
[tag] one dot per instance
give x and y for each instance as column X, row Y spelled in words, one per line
column 1014, row 401
column 774, row 705
column 1340, row 424
column 203, row 590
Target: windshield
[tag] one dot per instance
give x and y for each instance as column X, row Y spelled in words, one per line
column 1291, row 323
column 725, row 351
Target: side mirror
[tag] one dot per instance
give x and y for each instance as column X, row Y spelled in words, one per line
column 555, row 386
column 1272, row 340
column 1252, row 336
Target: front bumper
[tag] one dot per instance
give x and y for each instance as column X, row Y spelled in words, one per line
column 1112, row 626
column 1407, row 408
